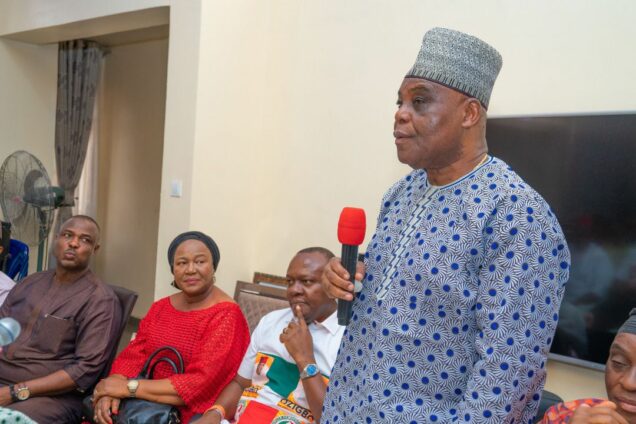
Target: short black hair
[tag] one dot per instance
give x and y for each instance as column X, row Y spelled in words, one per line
column 84, row 218
column 317, row 249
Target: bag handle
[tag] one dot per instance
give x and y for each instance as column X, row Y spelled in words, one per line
column 167, row 360
column 179, row 369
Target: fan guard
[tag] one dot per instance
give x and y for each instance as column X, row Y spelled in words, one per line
column 26, row 197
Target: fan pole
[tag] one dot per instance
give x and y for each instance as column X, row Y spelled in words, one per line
column 40, row 256
column 41, row 244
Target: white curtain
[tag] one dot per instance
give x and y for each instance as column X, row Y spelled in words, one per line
column 86, row 191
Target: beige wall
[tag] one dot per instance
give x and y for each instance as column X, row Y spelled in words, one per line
column 279, row 113
column 296, row 103
column 28, row 90
column 130, row 155
column 574, row 382
column 18, row 16
column 180, row 125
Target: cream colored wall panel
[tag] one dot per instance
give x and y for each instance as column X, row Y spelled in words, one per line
column 28, row 89
column 179, row 134
column 131, row 148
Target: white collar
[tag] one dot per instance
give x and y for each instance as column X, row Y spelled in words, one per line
column 330, row 323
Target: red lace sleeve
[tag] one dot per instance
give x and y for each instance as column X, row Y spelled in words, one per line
column 129, row 362
column 216, row 360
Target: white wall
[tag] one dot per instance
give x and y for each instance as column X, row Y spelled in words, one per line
column 130, row 158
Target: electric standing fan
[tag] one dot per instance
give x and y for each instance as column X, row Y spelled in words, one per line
column 28, row 200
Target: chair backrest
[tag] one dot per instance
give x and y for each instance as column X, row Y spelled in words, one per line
column 127, row 299
column 18, row 261
column 269, row 279
column 256, row 300
column 548, row 399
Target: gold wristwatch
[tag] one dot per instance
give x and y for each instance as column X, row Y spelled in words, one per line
column 23, row 393
column 132, row 387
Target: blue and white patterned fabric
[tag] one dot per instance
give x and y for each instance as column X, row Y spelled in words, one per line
column 458, row 308
column 9, row 416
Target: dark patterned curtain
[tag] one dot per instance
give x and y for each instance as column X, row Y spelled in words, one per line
column 79, row 66
column 78, row 71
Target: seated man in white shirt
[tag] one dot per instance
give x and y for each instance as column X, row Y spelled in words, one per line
column 284, row 374
column 6, row 283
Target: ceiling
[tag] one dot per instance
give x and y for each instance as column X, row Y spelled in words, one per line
column 123, row 28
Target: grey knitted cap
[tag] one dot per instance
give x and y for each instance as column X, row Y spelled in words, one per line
column 458, row 61
column 630, row 325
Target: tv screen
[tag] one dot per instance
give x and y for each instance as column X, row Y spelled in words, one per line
column 585, row 167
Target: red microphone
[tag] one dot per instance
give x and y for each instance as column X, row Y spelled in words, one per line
column 351, row 227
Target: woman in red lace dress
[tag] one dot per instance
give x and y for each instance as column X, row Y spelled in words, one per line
column 201, row 321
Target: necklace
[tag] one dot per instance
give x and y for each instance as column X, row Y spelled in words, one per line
column 481, row 162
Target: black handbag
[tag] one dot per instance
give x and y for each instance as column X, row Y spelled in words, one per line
column 140, row 411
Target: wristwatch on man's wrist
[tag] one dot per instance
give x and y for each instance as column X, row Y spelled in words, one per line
column 132, row 387
column 19, row 392
column 23, row 392
column 309, row 371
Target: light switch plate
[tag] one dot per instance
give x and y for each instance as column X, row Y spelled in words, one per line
column 176, row 188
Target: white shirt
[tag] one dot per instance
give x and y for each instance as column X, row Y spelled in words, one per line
column 274, row 374
column 6, row 284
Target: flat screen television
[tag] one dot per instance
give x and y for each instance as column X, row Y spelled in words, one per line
column 585, row 167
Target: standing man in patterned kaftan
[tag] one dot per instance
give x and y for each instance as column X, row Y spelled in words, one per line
column 465, row 272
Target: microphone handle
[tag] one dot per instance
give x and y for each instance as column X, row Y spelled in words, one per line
column 349, row 259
